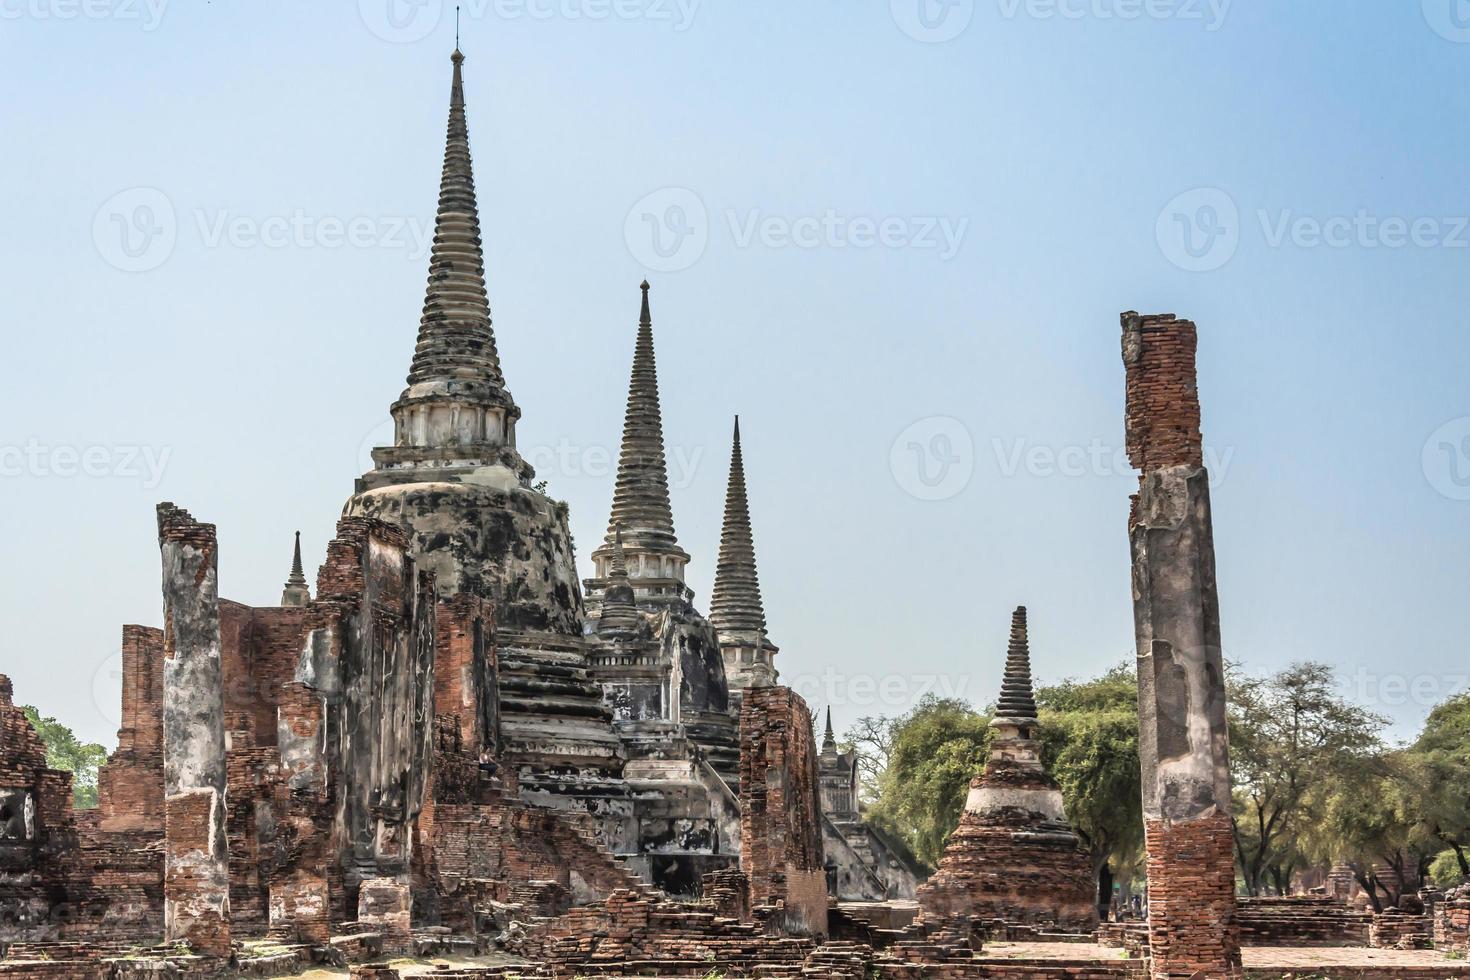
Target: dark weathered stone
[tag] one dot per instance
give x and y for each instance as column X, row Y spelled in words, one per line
column 1183, row 741
column 197, row 870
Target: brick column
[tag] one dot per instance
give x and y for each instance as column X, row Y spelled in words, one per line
column 1183, row 746
column 196, row 869
column 780, row 814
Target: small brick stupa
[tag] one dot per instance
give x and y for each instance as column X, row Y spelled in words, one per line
column 1013, row 856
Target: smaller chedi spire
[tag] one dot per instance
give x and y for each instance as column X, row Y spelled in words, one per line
column 619, row 610
column 297, row 592
column 641, row 494
column 736, row 610
column 829, row 739
column 1017, row 703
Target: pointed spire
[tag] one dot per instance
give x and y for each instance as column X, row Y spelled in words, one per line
column 456, row 341
column 619, row 612
column 1017, row 701
column 736, row 601
column 298, row 574
column 641, row 495
column 829, row 740
column 297, row 593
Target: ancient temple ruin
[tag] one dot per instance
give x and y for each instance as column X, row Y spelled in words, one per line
column 1013, row 857
column 446, row 742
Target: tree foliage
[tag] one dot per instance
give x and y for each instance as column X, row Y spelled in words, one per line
column 933, row 751
column 65, row 751
column 1289, row 731
column 1090, row 746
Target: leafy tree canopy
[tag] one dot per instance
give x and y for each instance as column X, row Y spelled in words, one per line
column 65, row 751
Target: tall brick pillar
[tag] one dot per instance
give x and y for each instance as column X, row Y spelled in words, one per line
column 196, row 885
column 1193, row 929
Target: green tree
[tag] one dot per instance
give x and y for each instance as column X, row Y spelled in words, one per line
column 1288, row 732
column 1366, row 813
column 1442, row 756
column 934, row 752
column 1090, row 746
column 65, row 751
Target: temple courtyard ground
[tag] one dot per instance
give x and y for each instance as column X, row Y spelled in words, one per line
column 1337, row 963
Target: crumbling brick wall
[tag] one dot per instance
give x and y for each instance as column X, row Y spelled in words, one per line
column 465, row 672
column 36, row 827
column 130, row 785
column 780, row 830
column 1452, row 922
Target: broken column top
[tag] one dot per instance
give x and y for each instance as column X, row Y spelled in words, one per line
column 177, row 524
column 1162, row 420
column 7, row 690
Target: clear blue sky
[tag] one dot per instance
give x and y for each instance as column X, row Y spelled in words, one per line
column 253, row 352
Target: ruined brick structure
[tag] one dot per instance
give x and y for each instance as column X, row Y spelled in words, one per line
column 863, row 865
column 1181, row 683
column 35, row 827
column 1452, row 921
column 1013, row 857
column 196, row 878
column 780, row 827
